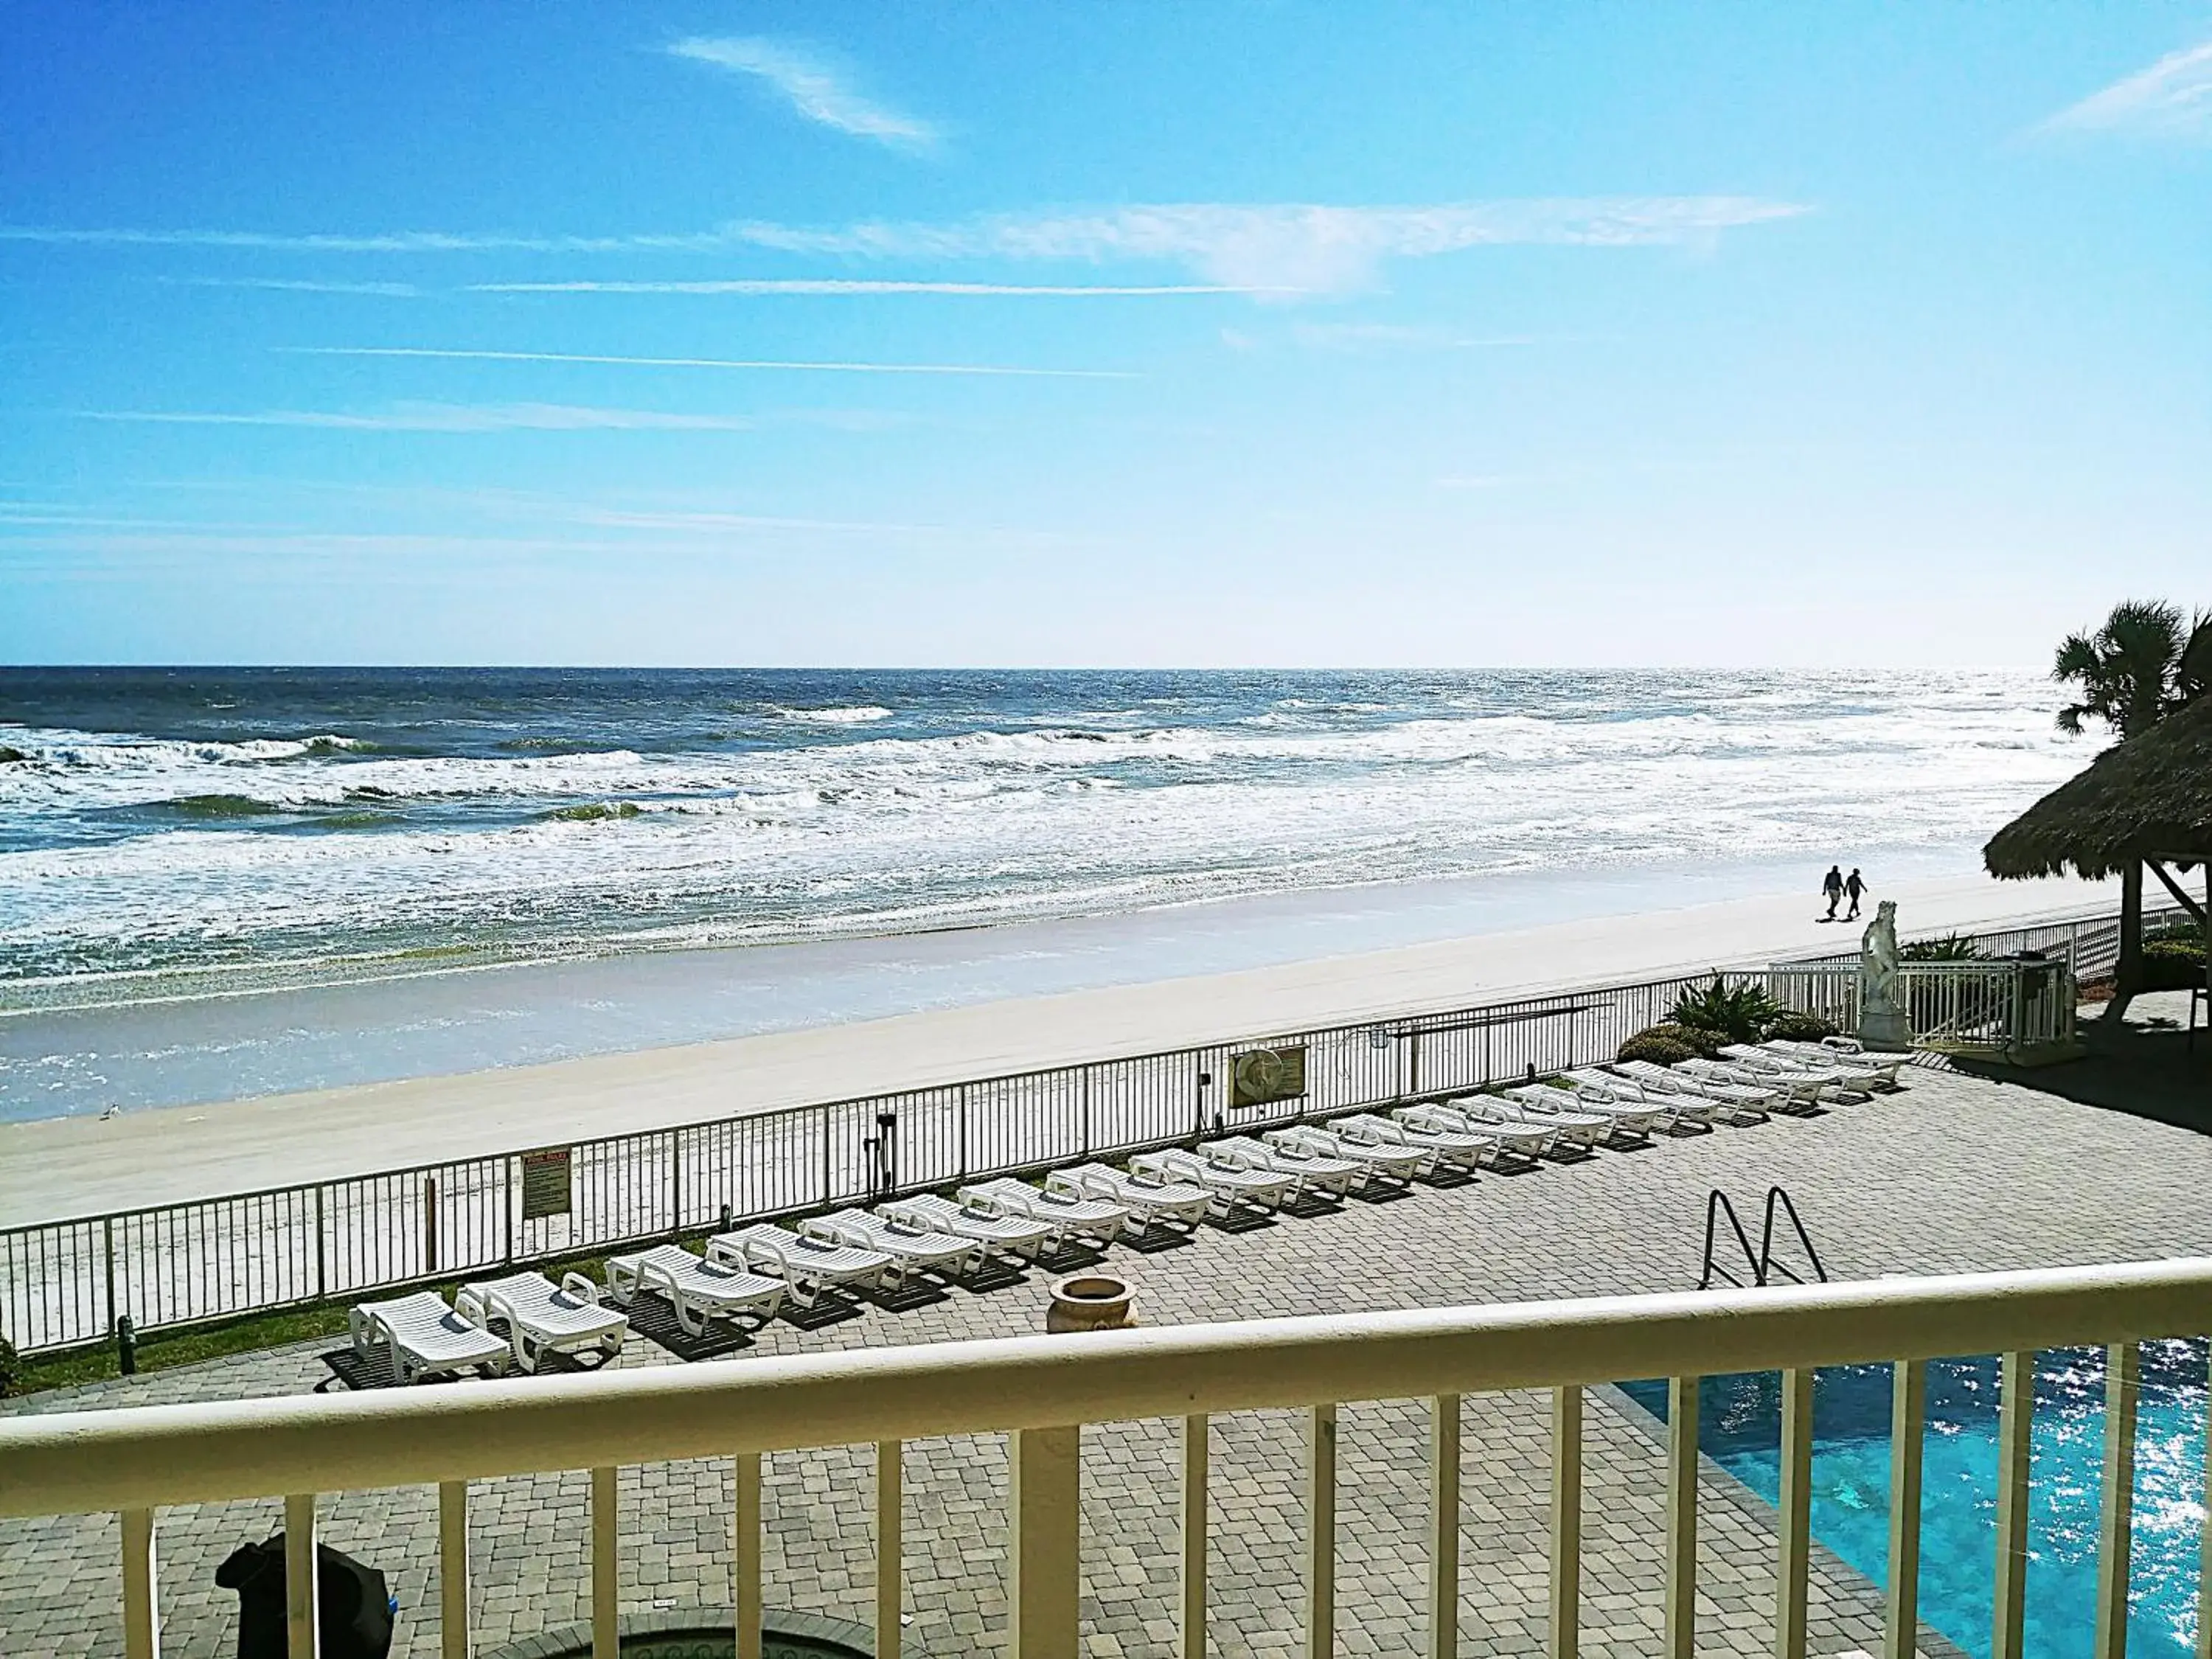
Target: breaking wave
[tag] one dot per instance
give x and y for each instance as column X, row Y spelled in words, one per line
column 157, row 824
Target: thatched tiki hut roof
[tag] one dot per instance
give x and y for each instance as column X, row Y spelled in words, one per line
column 2148, row 799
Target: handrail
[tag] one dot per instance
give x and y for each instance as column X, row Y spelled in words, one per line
column 1768, row 1266
column 139, row 1458
column 1718, row 1205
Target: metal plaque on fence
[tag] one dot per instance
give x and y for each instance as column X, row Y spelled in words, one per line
column 545, row 1187
column 1266, row 1075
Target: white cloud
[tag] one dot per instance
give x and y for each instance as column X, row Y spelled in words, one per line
column 283, row 285
column 1229, row 247
column 397, row 241
column 447, row 417
column 810, row 86
column 2173, row 99
column 985, row 369
column 1296, row 248
column 861, row 286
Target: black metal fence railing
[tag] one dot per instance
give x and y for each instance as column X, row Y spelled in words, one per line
column 65, row 1283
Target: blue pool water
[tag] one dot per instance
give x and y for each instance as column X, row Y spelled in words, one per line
column 1740, row 1427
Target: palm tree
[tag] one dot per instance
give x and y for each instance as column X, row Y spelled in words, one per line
column 2127, row 670
column 2143, row 663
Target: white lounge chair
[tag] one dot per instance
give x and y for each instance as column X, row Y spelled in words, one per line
column 809, row 1266
column 1797, row 1091
column 976, row 1218
column 1603, row 1088
column 1627, row 1122
column 915, row 1249
column 1315, row 1172
column 425, row 1338
column 1464, row 1148
column 1380, row 1160
column 698, row 1290
column 1515, row 1135
column 1230, row 1181
column 1849, row 1083
column 1068, row 1211
column 1765, row 1063
column 543, row 1317
column 1880, row 1071
column 1572, row 1129
column 1858, row 1053
column 1149, row 1199
column 1749, row 1103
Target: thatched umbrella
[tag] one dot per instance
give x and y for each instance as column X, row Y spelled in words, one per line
column 2146, row 802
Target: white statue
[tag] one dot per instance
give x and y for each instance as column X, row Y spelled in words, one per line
column 1882, row 1022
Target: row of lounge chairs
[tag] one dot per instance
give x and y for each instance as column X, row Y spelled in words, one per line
column 752, row 1271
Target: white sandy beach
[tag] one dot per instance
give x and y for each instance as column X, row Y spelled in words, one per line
column 75, row 1166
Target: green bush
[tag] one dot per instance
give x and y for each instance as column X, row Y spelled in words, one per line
column 10, row 1367
column 1739, row 1014
column 1951, row 947
column 2172, row 964
column 1659, row 1045
column 1793, row 1025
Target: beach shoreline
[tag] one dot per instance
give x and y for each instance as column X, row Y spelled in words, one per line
column 71, row 1166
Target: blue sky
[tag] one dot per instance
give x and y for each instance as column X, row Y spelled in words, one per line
column 1099, row 333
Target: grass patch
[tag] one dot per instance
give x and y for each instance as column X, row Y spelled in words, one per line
column 161, row 1351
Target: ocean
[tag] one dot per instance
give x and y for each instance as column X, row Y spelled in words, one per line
column 299, row 822
column 177, row 835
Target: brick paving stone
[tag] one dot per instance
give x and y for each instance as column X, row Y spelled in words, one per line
column 1955, row 1173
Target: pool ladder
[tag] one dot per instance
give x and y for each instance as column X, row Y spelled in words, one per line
column 1763, row 1263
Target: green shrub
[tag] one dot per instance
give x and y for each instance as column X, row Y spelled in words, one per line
column 1659, row 1045
column 2171, row 964
column 1951, row 947
column 1794, row 1025
column 10, row 1367
column 1740, row 1013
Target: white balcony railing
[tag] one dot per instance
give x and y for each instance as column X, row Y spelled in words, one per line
column 1041, row 1390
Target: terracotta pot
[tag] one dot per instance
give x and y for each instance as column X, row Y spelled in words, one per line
column 1090, row 1302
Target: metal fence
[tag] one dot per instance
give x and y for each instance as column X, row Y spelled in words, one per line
column 66, row 1283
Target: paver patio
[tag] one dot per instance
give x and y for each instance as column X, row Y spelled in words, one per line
column 1955, row 1173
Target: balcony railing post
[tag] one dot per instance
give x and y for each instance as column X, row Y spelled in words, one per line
column 606, row 1560
column 745, row 1556
column 1794, row 1567
column 302, row 1594
column 1682, row 1616
column 453, row 1570
column 1908, row 1407
column 1196, row 1433
column 1044, row 1494
column 891, row 1545
column 1443, row 1527
column 1566, row 1520
column 2114, row 1533
column 141, row 1606
column 2015, row 1422
column 1321, row 1532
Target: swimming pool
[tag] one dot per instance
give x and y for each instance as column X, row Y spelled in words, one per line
column 1740, row 1426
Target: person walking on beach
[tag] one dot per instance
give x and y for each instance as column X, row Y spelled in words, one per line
column 1854, row 888
column 1832, row 886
